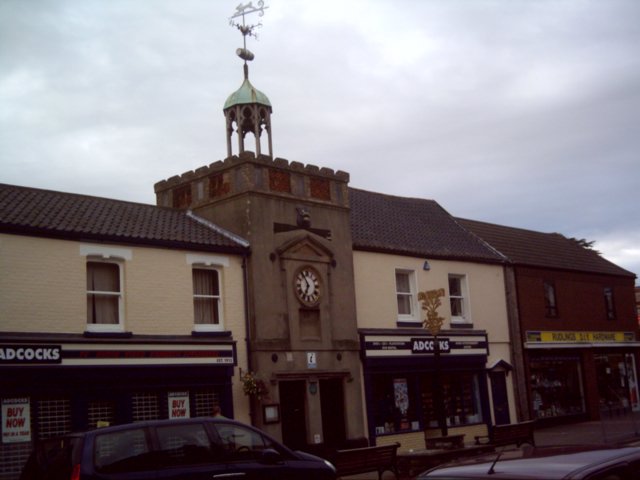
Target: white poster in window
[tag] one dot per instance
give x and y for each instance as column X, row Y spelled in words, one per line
column 179, row 405
column 401, row 393
column 16, row 420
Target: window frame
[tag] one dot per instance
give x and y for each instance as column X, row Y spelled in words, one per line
column 550, row 301
column 107, row 327
column 208, row 262
column 609, row 303
column 465, row 318
column 114, row 255
column 208, row 327
column 412, row 317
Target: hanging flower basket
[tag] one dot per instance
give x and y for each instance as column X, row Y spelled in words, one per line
column 253, row 386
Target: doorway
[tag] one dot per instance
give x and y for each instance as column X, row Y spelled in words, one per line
column 293, row 413
column 500, row 399
column 332, row 411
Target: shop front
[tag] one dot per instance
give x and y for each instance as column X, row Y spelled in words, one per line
column 54, row 385
column 581, row 374
column 411, row 390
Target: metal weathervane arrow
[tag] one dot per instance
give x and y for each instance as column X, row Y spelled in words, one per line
column 242, row 10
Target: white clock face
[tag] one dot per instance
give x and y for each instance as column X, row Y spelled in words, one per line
column 307, row 286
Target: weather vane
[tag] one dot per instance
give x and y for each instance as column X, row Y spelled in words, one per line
column 246, row 29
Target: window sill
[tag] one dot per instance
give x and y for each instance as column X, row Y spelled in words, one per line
column 90, row 334
column 406, row 324
column 455, row 325
column 211, row 333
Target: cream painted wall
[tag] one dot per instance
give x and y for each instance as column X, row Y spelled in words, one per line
column 376, row 291
column 376, row 302
column 43, row 289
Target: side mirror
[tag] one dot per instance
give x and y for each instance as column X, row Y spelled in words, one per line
column 271, row 457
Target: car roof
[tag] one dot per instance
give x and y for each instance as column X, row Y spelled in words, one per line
column 549, row 463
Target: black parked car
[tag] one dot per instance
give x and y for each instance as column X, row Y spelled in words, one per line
column 192, row 449
column 547, row 463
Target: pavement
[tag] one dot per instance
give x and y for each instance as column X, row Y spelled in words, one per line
column 613, row 429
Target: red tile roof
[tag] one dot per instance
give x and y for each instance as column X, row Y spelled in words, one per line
column 546, row 250
column 414, row 227
column 31, row 211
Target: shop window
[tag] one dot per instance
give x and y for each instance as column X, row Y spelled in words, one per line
column 394, row 407
column 207, row 299
column 145, row 407
column 460, row 394
column 205, row 401
column 458, row 299
column 104, row 296
column 405, row 296
column 54, row 417
column 101, row 413
column 550, row 307
column 556, row 386
column 609, row 304
column 617, row 385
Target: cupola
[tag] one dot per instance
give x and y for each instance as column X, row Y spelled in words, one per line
column 247, row 110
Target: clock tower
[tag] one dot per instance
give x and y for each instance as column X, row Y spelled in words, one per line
column 301, row 316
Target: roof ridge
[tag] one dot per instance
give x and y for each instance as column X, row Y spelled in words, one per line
column 381, row 194
column 218, row 229
column 481, row 240
column 81, row 195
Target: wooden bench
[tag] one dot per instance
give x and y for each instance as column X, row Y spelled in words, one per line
column 444, row 443
column 513, row 433
column 368, row 459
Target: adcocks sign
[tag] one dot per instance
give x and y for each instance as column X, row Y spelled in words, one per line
column 30, row 354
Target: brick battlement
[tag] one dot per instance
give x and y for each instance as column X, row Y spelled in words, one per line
column 247, row 172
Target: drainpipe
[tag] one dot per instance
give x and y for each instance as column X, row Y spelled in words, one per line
column 247, row 339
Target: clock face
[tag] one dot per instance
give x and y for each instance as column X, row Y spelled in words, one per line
column 307, row 286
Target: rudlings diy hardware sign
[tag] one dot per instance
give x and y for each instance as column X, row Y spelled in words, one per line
column 16, row 420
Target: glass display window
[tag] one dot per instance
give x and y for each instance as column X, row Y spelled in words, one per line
column 617, row 385
column 394, row 408
column 556, row 386
column 460, row 396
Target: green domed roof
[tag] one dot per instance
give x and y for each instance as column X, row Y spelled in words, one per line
column 247, row 93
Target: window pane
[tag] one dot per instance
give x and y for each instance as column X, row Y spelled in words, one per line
column 241, row 443
column 455, row 286
column 206, row 311
column 402, row 283
column 456, row 307
column 121, row 451
column 102, row 309
column 185, row 444
column 404, row 304
column 550, row 300
column 103, row 277
column 205, row 282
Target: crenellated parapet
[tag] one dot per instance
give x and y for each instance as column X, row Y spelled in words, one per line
column 240, row 174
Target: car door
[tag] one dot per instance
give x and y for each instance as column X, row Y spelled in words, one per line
column 187, row 453
column 252, row 455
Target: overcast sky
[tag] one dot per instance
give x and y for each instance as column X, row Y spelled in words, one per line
column 522, row 113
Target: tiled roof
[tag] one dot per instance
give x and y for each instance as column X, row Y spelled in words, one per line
column 412, row 226
column 30, row 211
column 546, row 250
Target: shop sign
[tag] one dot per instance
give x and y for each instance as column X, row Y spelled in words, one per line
column 16, row 420
column 30, row 354
column 179, row 405
column 583, row 337
column 428, row 345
